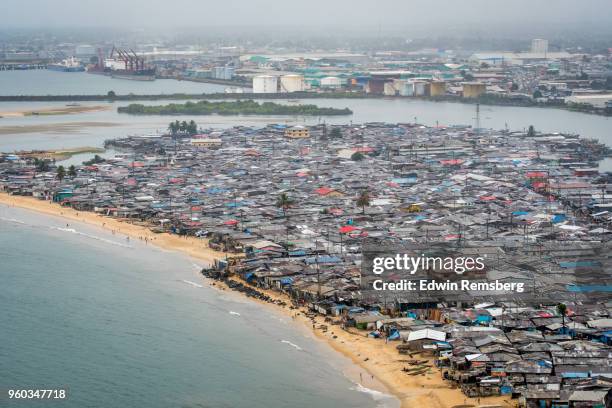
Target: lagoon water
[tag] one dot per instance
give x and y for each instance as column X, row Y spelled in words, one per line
column 45, row 82
column 122, row 324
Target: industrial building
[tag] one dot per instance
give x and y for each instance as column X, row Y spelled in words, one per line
column 330, row 82
column 297, row 132
column 539, row 46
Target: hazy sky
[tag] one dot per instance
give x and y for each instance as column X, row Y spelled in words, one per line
column 433, row 14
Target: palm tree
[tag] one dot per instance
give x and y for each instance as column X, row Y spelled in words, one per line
column 363, row 200
column 283, row 201
column 192, row 128
column 72, row 171
column 61, row 173
column 531, row 131
column 562, row 310
column 173, row 127
column 41, row 165
column 183, row 126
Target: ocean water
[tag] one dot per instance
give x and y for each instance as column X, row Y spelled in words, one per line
column 122, row 324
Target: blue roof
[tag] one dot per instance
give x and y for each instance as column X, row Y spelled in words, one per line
column 322, row 259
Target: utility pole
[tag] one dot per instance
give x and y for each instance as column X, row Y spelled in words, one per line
column 318, row 270
column 477, row 130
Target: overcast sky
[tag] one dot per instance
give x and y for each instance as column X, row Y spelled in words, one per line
column 432, row 14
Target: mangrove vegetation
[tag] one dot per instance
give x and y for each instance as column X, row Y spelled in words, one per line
column 242, row 107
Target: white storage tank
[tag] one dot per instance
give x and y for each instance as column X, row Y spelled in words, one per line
column 292, row 83
column 419, row 88
column 407, row 89
column 265, row 84
column 331, row 82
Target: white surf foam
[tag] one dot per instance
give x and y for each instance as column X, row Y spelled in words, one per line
column 13, row 220
column 383, row 400
column 292, row 344
column 234, row 313
column 83, row 234
column 197, row 285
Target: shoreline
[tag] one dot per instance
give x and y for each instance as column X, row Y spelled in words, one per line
column 380, row 360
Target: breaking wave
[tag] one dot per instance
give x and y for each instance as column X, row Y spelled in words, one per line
column 83, row 234
column 383, row 400
column 13, row 220
column 197, row 285
column 292, row 344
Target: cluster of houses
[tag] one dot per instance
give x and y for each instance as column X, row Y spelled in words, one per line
column 297, row 210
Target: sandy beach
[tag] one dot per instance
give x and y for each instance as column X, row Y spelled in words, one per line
column 66, row 110
column 68, row 127
column 378, row 363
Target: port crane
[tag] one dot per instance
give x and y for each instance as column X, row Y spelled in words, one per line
column 131, row 60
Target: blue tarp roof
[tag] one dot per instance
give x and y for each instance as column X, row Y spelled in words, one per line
column 578, row 264
column 589, row 288
column 322, row 259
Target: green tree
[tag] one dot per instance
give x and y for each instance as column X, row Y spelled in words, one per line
column 61, row 173
column 192, row 128
column 42, row 165
column 357, row 156
column 363, row 200
column 514, row 87
column 531, row 132
column 173, row 127
column 183, row 126
column 537, row 94
column 335, row 133
column 562, row 310
column 284, row 202
column 72, row 171
column 111, row 94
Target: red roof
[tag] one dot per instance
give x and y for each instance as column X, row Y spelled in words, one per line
column 302, row 174
column 347, row 228
column 487, row 198
column 535, row 174
column 323, row 190
column 538, row 184
column 231, row 222
column 451, row 162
